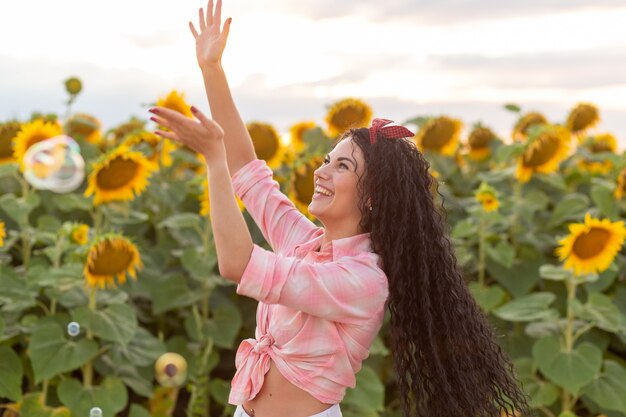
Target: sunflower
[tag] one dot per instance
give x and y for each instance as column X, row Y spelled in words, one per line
column 487, row 196
column 605, row 142
column 439, row 135
column 523, row 125
column 73, row 86
column 296, row 134
column 170, row 369
column 267, row 144
column 111, row 256
column 582, row 117
column 31, row 133
column 478, row 141
column 591, row 246
column 175, row 101
column 80, row 234
column 303, row 185
column 118, row 174
column 3, row 233
column 544, row 152
column 85, row 127
column 346, row 114
column 162, row 156
column 8, row 131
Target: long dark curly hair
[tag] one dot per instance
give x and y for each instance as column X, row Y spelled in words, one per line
column 446, row 359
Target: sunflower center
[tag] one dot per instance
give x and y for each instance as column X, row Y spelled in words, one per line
column 265, row 143
column 583, row 118
column 547, row 147
column 5, row 148
column 347, row 117
column 601, row 147
column 118, row 174
column 304, row 186
column 480, row 138
column 36, row 137
column 438, row 135
column 170, row 370
column 111, row 259
column 591, row 243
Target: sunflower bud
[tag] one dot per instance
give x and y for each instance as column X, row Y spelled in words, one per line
column 171, row 369
column 73, row 86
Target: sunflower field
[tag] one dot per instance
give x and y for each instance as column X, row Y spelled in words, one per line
column 112, row 305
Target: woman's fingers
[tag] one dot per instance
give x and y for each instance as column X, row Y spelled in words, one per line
column 217, row 19
column 209, row 13
column 226, row 27
column 161, row 122
column 193, row 29
column 201, row 19
column 206, row 122
column 173, row 117
column 169, row 135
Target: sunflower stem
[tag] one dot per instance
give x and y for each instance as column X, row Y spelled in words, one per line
column 566, row 400
column 517, row 195
column 88, row 368
column 97, row 219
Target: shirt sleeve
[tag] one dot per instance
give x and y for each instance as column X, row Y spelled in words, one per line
column 281, row 223
column 350, row 290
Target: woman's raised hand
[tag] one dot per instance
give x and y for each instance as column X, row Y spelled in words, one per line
column 211, row 41
column 204, row 136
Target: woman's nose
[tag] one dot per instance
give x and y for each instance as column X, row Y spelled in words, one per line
column 320, row 172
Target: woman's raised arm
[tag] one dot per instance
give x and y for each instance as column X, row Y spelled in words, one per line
column 210, row 44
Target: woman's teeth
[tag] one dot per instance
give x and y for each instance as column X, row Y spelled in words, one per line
column 323, row 191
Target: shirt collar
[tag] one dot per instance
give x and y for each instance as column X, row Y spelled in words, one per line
column 347, row 246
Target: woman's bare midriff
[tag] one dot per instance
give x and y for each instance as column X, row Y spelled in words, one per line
column 278, row 397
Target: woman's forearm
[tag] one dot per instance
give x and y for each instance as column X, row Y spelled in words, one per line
column 239, row 147
column 233, row 242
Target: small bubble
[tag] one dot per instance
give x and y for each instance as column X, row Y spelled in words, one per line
column 73, row 329
column 54, row 164
column 95, row 412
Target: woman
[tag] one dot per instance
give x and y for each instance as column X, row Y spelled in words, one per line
column 323, row 292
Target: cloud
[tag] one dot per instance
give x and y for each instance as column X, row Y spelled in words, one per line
column 576, row 69
column 438, row 12
column 154, row 40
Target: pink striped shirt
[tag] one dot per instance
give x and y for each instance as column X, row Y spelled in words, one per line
column 318, row 311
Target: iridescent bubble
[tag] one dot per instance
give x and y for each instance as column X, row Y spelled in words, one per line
column 73, row 329
column 54, row 164
column 95, row 412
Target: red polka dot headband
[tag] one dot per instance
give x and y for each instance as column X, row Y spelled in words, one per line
column 389, row 132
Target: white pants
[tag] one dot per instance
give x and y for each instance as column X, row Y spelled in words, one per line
column 333, row 411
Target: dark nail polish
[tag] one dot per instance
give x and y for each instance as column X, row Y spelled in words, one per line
column 153, row 119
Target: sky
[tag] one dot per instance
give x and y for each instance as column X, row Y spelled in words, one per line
column 288, row 61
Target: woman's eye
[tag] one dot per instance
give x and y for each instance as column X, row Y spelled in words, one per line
column 343, row 165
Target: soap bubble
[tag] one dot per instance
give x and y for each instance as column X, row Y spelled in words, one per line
column 73, row 329
column 54, row 164
column 95, row 412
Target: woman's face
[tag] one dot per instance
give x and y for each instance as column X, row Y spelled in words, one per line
column 338, row 176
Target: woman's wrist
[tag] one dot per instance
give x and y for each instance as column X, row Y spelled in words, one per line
column 211, row 66
column 216, row 155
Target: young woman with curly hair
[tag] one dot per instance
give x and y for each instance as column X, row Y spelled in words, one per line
column 323, row 291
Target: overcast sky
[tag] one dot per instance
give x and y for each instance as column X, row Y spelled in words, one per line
column 287, row 60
